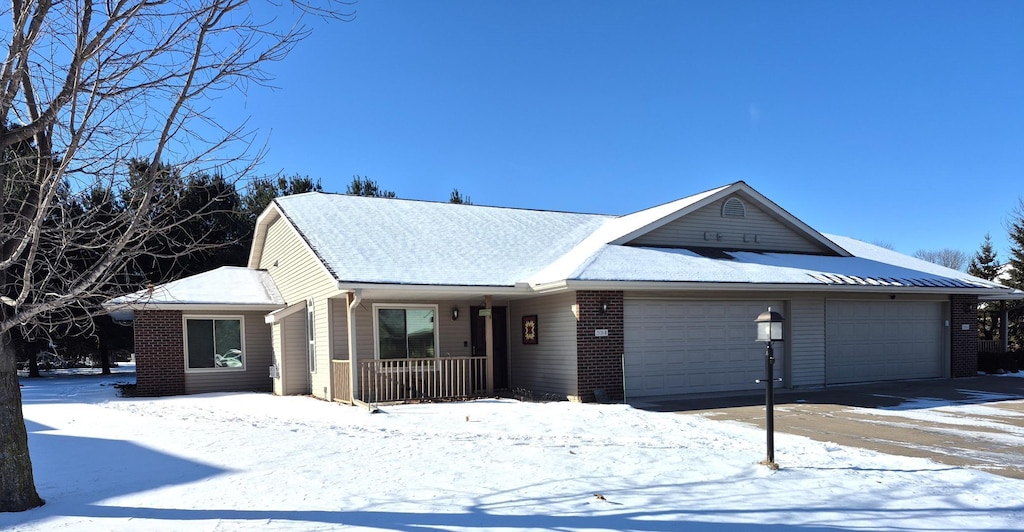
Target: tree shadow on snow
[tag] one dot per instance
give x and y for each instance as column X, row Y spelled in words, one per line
column 72, row 472
column 642, row 521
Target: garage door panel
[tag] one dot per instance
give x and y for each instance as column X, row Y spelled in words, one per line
column 883, row 340
column 684, row 347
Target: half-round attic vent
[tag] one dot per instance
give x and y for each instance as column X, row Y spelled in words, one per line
column 733, row 207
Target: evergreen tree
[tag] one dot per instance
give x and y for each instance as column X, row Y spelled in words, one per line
column 262, row 190
column 457, row 198
column 983, row 263
column 1015, row 228
column 364, row 186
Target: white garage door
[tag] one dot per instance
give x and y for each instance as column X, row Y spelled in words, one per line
column 684, row 347
column 869, row 341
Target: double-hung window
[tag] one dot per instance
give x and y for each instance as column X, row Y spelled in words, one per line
column 214, row 343
column 406, row 332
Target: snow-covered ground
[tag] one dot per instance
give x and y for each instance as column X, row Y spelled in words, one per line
column 244, row 461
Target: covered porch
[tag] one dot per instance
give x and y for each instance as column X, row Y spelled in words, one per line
column 394, row 381
column 363, row 346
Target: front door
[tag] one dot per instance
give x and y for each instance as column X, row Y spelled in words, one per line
column 478, row 336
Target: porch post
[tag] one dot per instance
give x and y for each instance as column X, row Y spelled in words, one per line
column 1004, row 328
column 353, row 299
column 489, row 346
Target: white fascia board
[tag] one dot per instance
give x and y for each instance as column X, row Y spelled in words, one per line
column 706, row 198
column 1016, row 295
column 519, row 288
column 267, row 217
column 204, row 307
column 768, row 287
column 282, row 313
column 789, row 218
column 305, row 243
column 670, row 212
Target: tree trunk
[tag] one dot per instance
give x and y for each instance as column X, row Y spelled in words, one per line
column 17, row 486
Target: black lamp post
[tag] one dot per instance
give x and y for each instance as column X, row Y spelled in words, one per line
column 769, row 329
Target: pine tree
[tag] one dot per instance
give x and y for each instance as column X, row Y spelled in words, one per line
column 983, row 263
column 1015, row 228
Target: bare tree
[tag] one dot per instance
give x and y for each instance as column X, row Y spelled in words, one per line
column 950, row 258
column 84, row 87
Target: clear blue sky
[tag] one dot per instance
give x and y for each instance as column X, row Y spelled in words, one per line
column 886, row 121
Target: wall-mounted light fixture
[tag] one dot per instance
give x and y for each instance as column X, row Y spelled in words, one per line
column 604, row 307
column 455, row 313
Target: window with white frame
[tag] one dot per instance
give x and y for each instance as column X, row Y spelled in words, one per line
column 214, row 343
column 406, row 332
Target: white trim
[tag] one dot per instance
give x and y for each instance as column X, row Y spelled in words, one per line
column 562, row 286
column 263, row 222
column 753, row 196
column 223, row 317
column 311, row 337
column 205, row 307
column 404, row 306
column 262, row 232
column 282, row 313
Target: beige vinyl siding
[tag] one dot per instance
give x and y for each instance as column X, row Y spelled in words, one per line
column 275, row 343
column 339, row 328
column 258, row 358
column 806, row 347
column 550, row 365
column 299, row 276
column 294, row 369
column 453, row 336
column 736, row 233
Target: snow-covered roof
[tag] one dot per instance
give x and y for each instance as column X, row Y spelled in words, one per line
column 870, row 266
column 227, row 286
column 395, row 242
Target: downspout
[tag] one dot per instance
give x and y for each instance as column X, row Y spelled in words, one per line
column 355, row 298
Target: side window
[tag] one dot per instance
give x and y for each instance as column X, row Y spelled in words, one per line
column 214, row 343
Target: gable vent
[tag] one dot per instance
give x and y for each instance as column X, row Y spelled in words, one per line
column 733, row 207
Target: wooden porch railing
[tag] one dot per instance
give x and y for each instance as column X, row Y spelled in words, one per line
column 990, row 346
column 429, row 379
column 340, row 377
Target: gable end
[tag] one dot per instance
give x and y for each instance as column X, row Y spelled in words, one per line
column 733, row 224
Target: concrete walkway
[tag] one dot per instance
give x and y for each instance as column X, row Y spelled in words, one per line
column 975, row 422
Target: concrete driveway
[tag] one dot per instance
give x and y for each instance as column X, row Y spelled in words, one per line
column 975, row 422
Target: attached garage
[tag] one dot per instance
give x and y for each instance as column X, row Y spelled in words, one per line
column 868, row 341
column 675, row 347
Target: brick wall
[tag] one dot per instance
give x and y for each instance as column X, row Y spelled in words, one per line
column 963, row 343
column 599, row 358
column 159, row 353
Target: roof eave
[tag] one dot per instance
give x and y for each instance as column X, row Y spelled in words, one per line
column 200, row 307
column 769, row 287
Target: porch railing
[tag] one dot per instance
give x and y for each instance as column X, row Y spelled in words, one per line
column 990, row 346
column 340, row 377
column 430, row 379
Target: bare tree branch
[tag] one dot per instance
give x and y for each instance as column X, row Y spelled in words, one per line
column 86, row 89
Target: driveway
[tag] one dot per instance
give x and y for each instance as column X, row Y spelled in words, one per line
column 975, row 422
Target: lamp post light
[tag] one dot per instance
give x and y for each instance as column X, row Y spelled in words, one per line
column 769, row 329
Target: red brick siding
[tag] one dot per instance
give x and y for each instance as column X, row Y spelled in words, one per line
column 963, row 310
column 599, row 358
column 159, row 353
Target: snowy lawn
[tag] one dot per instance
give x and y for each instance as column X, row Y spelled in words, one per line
column 244, row 461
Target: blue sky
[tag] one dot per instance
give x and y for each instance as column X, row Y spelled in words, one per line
column 900, row 122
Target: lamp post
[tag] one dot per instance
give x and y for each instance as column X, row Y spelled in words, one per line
column 769, row 329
